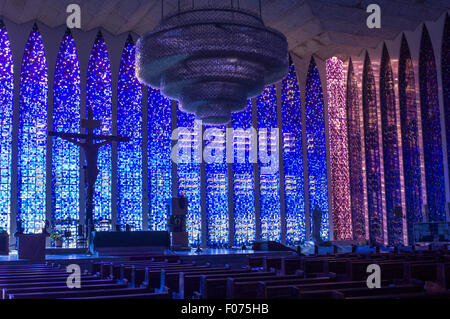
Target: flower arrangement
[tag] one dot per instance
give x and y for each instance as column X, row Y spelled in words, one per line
column 56, row 235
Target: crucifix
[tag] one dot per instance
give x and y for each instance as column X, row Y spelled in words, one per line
column 90, row 149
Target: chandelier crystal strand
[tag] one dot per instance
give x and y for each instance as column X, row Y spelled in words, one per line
column 212, row 60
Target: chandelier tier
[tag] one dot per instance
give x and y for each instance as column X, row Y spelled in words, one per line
column 211, row 60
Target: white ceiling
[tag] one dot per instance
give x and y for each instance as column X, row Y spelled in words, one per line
column 321, row 27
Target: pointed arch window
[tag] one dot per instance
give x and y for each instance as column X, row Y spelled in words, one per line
column 293, row 158
column 32, row 135
column 65, row 155
column 6, row 111
column 316, row 149
column 99, row 100
column 129, row 155
column 431, row 127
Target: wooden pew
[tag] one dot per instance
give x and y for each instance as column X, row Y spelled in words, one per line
column 248, row 288
column 45, row 285
column 129, row 296
column 364, row 291
column 294, row 290
column 421, row 271
column 34, row 275
column 153, row 276
column 357, row 270
column 190, row 283
column 321, row 294
column 171, row 279
column 412, row 295
column 255, row 261
column 44, row 279
column 289, row 265
column 80, row 293
column 214, row 286
column 58, row 289
column 136, row 275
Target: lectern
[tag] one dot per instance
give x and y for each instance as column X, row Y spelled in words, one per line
column 31, row 247
column 177, row 209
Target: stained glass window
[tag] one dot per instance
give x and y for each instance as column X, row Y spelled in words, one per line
column 129, row 155
column 99, row 100
column 410, row 138
column 316, row 149
column 338, row 143
column 188, row 171
column 293, row 159
column 269, row 175
column 355, row 150
column 32, row 135
column 391, row 154
column 65, row 155
column 6, row 109
column 446, row 80
column 243, row 176
column 431, row 126
column 159, row 158
column 372, row 148
column 216, row 184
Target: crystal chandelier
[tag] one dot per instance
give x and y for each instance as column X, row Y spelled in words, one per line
column 211, row 60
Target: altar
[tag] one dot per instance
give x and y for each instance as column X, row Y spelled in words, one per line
column 136, row 242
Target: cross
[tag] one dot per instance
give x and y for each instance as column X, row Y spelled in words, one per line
column 91, row 157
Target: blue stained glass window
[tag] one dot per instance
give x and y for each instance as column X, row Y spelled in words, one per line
column 188, row 171
column 372, row 147
column 410, row 138
column 316, row 149
column 99, row 100
column 6, row 110
column 216, row 185
column 66, row 118
column 159, row 158
column 32, row 135
column 446, row 80
column 129, row 155
column 293, row 159
column 269, row 164
column 391, row 155
column 431, row 127
column 243, row 177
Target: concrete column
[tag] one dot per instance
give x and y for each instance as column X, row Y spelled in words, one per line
column 174, row 143
column 281, row 166
column 256, row 174
column 145, row 186
column 230, row 179
column 204, row 215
